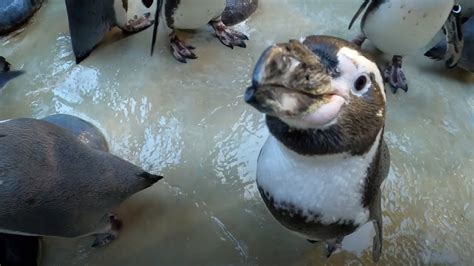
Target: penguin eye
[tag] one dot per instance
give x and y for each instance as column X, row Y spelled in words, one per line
column 360, row 83
column 457, row 9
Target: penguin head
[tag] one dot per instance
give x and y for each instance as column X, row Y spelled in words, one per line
column 318, row 83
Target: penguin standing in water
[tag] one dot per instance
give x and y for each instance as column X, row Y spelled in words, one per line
column 5, row 74
column 91, row 20
column 401, row 27
column 58, row 179
column 321, row 169
column 192, row 15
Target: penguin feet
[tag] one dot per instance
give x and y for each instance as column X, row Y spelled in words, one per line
column 110, row 233
column 333, row 246
column 138, row 23
column 180, row 50
column 359, row 39
column 394, row 75
column 227, row 36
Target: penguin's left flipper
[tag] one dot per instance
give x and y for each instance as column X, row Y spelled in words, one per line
column 454, row 38
column 7, row 76
column 227, row 36
column 359, row 11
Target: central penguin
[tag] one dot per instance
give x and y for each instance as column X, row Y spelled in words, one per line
column 192, row 15
column 321, row 169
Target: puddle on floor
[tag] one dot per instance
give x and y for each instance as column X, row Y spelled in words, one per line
column 189, row 122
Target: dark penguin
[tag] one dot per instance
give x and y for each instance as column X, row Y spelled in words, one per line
column 91, row 20
column 15, row 13
column 399, row 28
column 192, row 15
column 5, row 74
column 321, row 169
column 62, row 182
column 24, row 250
column 237, row 11
column 466, row 60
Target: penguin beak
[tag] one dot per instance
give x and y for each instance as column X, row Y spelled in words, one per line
column 289, row 80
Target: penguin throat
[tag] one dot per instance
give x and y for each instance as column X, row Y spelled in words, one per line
column 330, row 140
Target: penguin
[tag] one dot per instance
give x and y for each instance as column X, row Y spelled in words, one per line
column 237, row 11
column 438, row 52
column 320, row 171
column 5, row 74
column 25, row 250
column 91, row 20
column 399, row 28
column 60, row 181
column 15, row 13
column 192, row 15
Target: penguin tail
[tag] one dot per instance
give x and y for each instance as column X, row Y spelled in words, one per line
column 7, row 76
column 16, row 250
column 159, row 4
column 151, row 178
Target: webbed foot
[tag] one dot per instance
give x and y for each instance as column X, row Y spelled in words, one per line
column 227, row 36
column 394, row 75
column 110, row 233
column 137, row 24
column 180, row 50
column 359, row 39
column 333, row 246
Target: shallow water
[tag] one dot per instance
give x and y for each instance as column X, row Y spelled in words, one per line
column 189, row 122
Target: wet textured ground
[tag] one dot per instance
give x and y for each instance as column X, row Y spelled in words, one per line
column 189, row 122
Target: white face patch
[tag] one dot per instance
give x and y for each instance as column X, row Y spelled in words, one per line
column 330, row 186
column 352, row 65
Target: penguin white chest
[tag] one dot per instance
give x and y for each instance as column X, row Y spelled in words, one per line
column 400, row 27
column 330, row 187
column 194, row 14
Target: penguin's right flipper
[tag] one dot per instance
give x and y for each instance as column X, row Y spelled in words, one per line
column 376, row 214
column 357, row 14
column 89, row 21
column 7, row 76
column 16, row 250
column 159, row 4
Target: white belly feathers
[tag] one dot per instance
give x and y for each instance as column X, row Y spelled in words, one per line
column 330, row 186
column 400, row 27
column 193, row 14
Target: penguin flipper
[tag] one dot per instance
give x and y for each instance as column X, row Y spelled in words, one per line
column 159, row 4
column 89, row 21
column 19, row 250
column 454, row 39
column 376, row 214
column 357, row 14
column 7, row 76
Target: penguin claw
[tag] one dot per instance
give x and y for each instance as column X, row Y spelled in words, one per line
column 227, row 36
column 110, row 235
column 180, row 50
